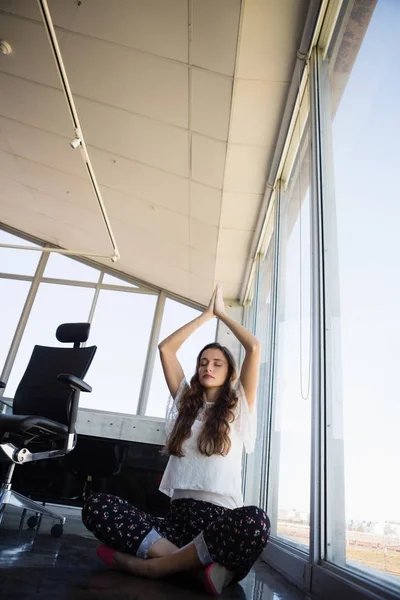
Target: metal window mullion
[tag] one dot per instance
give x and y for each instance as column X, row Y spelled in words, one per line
column 273, row 350
column 16, row 277
column 248, row 463
column 95, row 298
column 272, row 345
column 151, row 355
column 317, row 515
column 265, row 408
column 19, row 331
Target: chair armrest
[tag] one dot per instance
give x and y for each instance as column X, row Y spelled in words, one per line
column 2, row 384
column 74, row 382
column 78, row 385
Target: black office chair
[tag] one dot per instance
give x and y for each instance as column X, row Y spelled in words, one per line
column 44, row 412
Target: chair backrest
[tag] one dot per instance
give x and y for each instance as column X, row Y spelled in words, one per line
column 39, row 392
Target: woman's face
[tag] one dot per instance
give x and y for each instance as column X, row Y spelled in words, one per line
column 213, row 369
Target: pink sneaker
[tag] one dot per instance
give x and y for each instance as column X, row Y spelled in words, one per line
column 216, row 577
column 106, row 554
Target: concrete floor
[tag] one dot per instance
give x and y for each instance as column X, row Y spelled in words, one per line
column 35, row 565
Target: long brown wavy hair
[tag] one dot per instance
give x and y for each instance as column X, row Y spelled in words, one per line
column 214, row 437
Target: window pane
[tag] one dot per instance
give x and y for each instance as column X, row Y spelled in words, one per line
column 121, row 329
column 12, row 299
column 54, row 304
column 20, row 262
column 256, row 471
column 111, row 280
column 289, row 485
column 363, row 293
column 176, row 315
column 63, row 267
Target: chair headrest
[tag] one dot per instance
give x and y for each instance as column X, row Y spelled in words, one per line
column 73, row 332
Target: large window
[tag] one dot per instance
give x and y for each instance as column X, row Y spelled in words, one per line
column 259, row 321
column 54, row 304
column 12, row 260
column 121, row 330
column 13, row 292
column 289, row 473
column 122, row 315
column 62, row 267
column 175, row 315
column 362, row 77
column 12, row 299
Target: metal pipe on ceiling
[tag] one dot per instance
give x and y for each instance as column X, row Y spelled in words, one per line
column 79, row 140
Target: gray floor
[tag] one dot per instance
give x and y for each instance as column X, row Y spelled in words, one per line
column 35, row 565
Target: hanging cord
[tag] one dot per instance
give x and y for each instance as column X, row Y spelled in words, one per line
column 304, row 395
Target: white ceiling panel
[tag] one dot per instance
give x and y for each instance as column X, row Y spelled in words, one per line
column 137, row 82
column 208, row 161
column 215, row 26
column 134, row 136
column 40, row 146
column 16, row 193
column 226, row 269
column 233, row 244
column 247, row 168
column 9, row 167
column 162, row 223
column 211, row 103
column 202, row 264
column 142, row 24
column 57, row 184
column 153, row 26
column 273, row 30
column 45, row 226
column 200, row 287
column 161, row 188
column 182, row 168
column 240, row 211
column 139, row 244
column 30, row 58
column 258, row 110
column 38, row 203
column 205, row 203
column 63, row 11
column 203, row 237
column 34, row 104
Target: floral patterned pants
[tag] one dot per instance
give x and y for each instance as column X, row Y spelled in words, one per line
column 233, row 538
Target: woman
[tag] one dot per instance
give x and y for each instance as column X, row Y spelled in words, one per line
column 208, row 530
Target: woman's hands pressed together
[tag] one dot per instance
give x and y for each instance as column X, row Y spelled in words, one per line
column 216, row 307
column 219, row 305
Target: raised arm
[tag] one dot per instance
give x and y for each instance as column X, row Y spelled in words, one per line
column 168, row 348
column 251, row 363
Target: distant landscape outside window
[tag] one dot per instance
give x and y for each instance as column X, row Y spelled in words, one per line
column 289, row 466
column 363, row 279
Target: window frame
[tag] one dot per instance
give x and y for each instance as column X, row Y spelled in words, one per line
column 142, row 288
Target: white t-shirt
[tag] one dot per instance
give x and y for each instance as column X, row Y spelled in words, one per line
column 216, row 478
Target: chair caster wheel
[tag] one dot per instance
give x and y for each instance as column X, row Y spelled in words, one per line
column 57, row 530
column 32, row 522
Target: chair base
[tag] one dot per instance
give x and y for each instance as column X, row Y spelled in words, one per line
column 8, row 496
